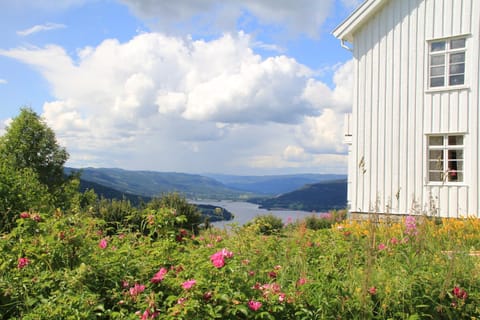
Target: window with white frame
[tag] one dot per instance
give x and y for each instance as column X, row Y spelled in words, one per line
column 445, row 158
column 447, row 62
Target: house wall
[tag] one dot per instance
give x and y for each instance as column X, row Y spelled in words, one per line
column 393, row 110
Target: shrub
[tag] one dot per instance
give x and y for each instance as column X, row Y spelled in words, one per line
column 266, row 224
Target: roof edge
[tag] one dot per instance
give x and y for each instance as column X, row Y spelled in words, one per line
column 346, row 29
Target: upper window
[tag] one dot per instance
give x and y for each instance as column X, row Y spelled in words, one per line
column 447, row 62
column 445, row 158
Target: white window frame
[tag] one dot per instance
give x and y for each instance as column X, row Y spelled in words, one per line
column 443, row 159
column 444, row 71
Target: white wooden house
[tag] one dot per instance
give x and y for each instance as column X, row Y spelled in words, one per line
column 414, row 129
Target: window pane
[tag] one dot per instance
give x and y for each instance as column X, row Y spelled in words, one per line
column 457, row 57
column 456, row 80
column 457, row 43
column 459, row 176
column 455, row 140
column 437, row 71
column 455, row 165
column 437, row 46
column 435, row 140
column 455, row 176
column 437, row 82
column 455, row 154
column 456, row 69
column 435, row 176
column 437, row 60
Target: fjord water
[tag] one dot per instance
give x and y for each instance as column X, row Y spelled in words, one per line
column 244, row 212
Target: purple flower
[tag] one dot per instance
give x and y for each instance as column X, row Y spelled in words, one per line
column 410, row 225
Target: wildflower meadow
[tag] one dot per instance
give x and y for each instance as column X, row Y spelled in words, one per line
column 74, row 266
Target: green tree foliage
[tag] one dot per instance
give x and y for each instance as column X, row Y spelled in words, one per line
column 20, row 190
column 31, row 169
column 30, row 143
column 178, row 203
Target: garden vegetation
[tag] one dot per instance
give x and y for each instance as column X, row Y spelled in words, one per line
column 81, row 257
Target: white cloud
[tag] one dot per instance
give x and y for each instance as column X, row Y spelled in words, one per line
column 300, row 16
column 3, row 81
column 41, row 27
column 3, row 125
column 166, row 103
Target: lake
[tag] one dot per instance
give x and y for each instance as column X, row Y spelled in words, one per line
column 245, row 212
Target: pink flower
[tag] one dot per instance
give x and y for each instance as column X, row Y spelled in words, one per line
column 281, row 297
column 188, row 284
column 137, row 289
column 301, row 281
column 22, row 263
column 254, row 305
column 158, row 277
column 147, row 315
column 459, row 293
column 372, row 291
column 382, row 246
column 226, row 253
column 24, row 215
column 207, row 296
column 36, row 218
column 218, row 262
column 394, row 240
column 181, row 301
column 218, row 258
column 410, row 225
column 103, row 243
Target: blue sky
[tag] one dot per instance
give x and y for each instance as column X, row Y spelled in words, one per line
column 240, row 87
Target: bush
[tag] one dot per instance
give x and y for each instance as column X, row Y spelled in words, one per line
column 67, row 266
column 180, row 207
column 324, row 220
column 266, row 224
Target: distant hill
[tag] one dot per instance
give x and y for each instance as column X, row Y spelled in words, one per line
column 110, row 193
column 212, row 212
column 302, row 191
column 273, row 184
column 151, row 183
column 317, row 197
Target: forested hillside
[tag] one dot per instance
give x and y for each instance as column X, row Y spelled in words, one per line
column 318, row 197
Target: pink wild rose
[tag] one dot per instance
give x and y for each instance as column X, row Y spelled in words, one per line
column 188, row 284
column 22, row 263
column 254, row 305
column 218, row 258
column 459, row 293
column 24, row 215
column 103, row 243
column 137, row 289
column 382, row 246
column 158, row 277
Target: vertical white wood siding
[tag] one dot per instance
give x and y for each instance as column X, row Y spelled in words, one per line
column 394, row 111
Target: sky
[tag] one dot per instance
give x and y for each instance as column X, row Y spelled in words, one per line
column 245, row 87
